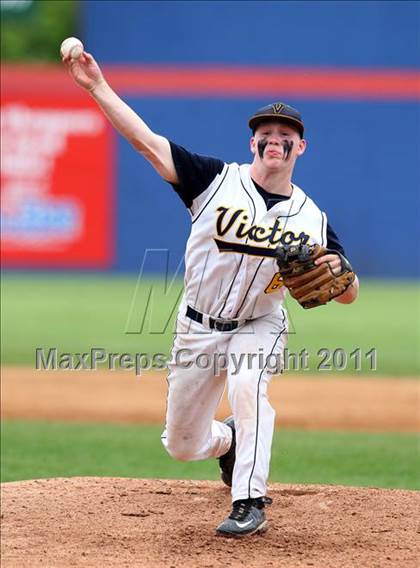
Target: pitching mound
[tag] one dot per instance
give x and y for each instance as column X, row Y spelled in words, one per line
column 143, row 523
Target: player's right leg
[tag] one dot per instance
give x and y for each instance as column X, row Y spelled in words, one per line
column 194, row 393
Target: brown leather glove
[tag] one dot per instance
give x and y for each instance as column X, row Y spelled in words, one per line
column 310, row 284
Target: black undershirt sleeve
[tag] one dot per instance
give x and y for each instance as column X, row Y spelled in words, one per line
column 333, row 242
column 195, row 172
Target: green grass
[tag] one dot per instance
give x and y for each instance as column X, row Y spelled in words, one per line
column 385, row 317
column 75, row 313
column 33, row 450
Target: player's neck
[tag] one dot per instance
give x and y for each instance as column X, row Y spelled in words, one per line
column 279, row 182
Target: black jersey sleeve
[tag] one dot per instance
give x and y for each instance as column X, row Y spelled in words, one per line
column 195, row 172
column 333, row 241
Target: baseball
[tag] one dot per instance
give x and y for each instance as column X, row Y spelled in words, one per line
column 71, row 46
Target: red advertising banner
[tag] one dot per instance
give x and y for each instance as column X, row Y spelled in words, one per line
column 56, row 183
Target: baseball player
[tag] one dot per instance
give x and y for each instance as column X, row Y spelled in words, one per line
column 232, row 307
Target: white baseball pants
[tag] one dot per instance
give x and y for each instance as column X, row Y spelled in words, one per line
column 194, row 393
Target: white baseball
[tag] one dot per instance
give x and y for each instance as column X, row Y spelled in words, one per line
column 71, row 46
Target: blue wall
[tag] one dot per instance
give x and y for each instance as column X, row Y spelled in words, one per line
column 360, row 165
column 360, row 33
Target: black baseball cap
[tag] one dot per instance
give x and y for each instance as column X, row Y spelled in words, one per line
column 277, row 111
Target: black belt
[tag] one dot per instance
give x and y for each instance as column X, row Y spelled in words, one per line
column 217, row 324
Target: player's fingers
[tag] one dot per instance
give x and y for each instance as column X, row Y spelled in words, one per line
column 333, row 260
column 70, row 62
column 90, row 60
column 327, row 258
column 73, row 62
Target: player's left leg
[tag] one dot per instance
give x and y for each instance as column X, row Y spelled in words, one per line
column 261, row 344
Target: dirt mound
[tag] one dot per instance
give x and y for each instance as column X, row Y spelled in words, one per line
column 135, row 522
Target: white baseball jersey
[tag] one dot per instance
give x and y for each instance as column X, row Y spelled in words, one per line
column 227, row 275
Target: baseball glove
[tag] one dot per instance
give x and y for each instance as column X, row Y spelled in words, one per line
column 309, row 284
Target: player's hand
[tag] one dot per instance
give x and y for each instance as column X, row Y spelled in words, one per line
column 84, row 70
column 333, row 260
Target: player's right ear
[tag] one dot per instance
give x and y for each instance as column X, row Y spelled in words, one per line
column 252, row 145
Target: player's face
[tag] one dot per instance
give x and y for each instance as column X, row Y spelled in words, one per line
column 276, row 145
